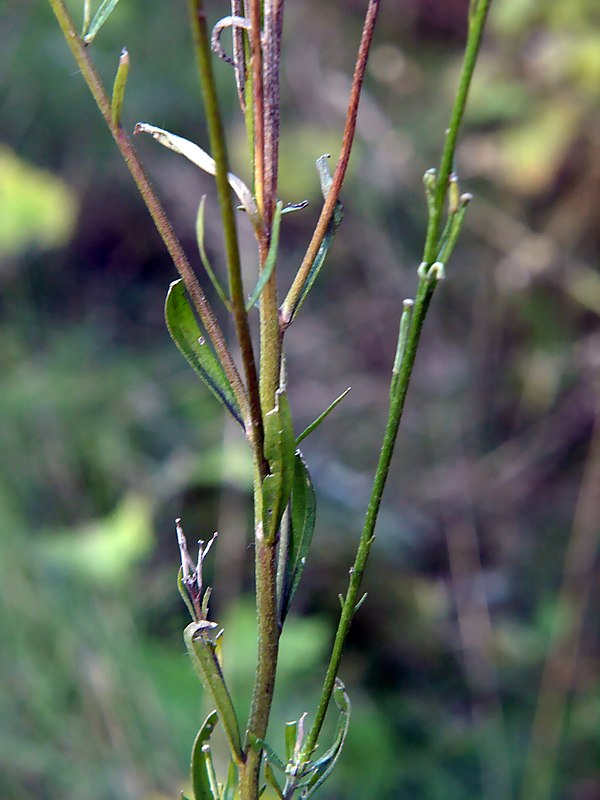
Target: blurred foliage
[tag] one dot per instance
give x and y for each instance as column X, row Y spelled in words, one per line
column 106, row 438
column 38, row 208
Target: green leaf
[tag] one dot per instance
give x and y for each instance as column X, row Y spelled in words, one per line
column 323, row 767
column 208, row 669
column 269, row 261
column 272, row 781
column 334, row 224
column 201, row 767
column 103, row 13
column 291, row 733
column 232, row 782
column 259, row 744
column 186, row 334
column 279, row 448
column 295, row 549
column 203, row 256
column 118, row 93
column 321, row 417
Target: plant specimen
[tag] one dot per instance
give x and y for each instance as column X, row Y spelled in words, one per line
column 255, row 393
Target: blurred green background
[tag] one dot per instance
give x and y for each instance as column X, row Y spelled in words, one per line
column 473, row 667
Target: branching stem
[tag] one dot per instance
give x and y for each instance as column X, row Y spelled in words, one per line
column 402, row 372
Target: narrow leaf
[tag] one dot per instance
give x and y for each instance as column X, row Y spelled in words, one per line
column 103, row 13
column 270, row 260
column 272, row 781
column 118, row 92
column 232, row 781
column 201, row 159
column 185, row 596
column 204, row 258
column 324, row 766
column 321, row 417
column 334, row 223
column 291, row 207
column 207, row 667
column 87, row 15
column 186, row 334
column 279, row 448
column 200, row 767
column 291, row 732
column 259, row 744
column 303, row 508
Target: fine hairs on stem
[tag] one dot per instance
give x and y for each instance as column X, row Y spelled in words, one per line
column 256, row 395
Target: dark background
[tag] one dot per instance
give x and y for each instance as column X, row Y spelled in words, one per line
column 106, row 436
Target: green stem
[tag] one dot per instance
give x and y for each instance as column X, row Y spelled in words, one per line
column 219, row 153
column 477, row 18
column 268, row 651
column 163, row 226
column 408, row 343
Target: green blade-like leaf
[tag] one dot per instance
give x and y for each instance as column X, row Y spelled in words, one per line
column 230, row 787
column 323, row 767
column 186, row 334
column 103, row 13
column 291, row 733
column 307, row 431
column 270, row 260
column 272, row 781
column 118, row 93
column 279, row 448
column 208, row 669
column 334, row 224
column 200, row 770
column 303, row 508
column 272, row 757
column 203, row 256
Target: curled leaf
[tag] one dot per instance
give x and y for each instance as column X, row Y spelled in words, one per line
column 201, row 159
column 201, row 768
column 208, row 669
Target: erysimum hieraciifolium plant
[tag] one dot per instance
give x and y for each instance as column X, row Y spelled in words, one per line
column 254, row 391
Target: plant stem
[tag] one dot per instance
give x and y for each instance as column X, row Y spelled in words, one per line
column 342, row 165
column 218, row 146
column 258, row 103
column 268, row 651
column 163, row 226
column 265, row 102
column 270, row 336
column 477, row 18
column 403, row 366
column 272, row 56
column 399, row 386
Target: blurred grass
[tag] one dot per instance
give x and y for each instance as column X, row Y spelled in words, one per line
column 105, row 438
